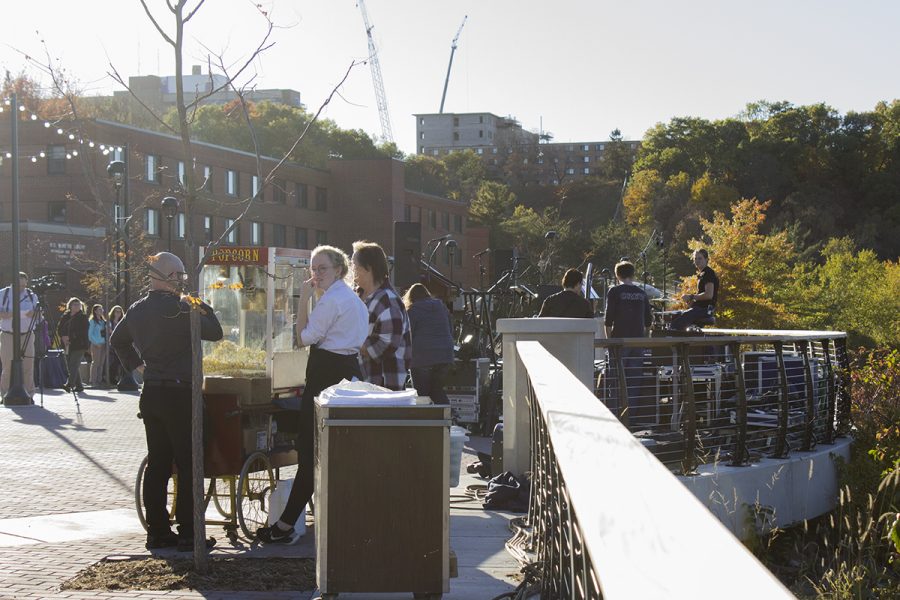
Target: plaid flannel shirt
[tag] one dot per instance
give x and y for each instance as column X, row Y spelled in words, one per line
column 387, row 351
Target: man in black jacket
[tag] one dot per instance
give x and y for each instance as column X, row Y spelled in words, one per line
column 569, row 302
column 154, row 337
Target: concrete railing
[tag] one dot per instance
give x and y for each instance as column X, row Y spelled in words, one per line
column 607, row 518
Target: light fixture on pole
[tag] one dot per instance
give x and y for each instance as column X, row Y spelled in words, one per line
column 16, row 395
column 451, row 249
column 118, row 171
column 169, row 207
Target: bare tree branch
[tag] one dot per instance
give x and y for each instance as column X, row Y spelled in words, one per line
column 162, row 33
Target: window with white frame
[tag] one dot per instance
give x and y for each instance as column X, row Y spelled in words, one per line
column 254, row 185
column 232, row 237
column 208, row 228
column 181, row 172
column 587, row 171
column 256, row 233
column 207, row 179
column 151, row 222
column 279, row 235
column 152, row 163
column 586, row 159
column 231, row 182
column 180, row 228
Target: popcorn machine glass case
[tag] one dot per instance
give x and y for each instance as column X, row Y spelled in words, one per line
column 253, row 291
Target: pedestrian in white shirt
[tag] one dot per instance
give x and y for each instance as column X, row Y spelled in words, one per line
column 28, row 302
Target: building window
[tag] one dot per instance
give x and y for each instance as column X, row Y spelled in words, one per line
column 279, row 192
column 180, row 229
column 587, row 171
column 301, row 192
column 586, row 147
column 56, row 160
column 436, row 152
column 302, row 238
column 598, row 147
column 421, row 149
column 152, row 163
column 422, row 121
column 181, row 172
column 56, row 212
column 207, row 179
column 432, row 218
column 586, row 159
column 445, row 221
column 457, row 257
column 480, row 151
column 455, row 136
column 457, row 223
column 481, row 118
column 407, row 212
column 570, row 148
column 570, row 171
column 232, row 237
column 421, row 135
column 254, row 185
column 256, row 233
column 456, row 121
column 493, row 151
column 208, row 228
column 321, row 237
column 481, row 133
column 279, row 235
column 231, row 182
column 151, row 222
column 321, row 199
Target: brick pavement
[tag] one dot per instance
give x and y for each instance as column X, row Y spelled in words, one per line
column 53, row 463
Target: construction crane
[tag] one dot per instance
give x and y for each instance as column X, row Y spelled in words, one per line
column 449, row 66
column 386, row 131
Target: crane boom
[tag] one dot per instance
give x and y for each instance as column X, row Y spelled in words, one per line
column 449, row 66
column 380, row 97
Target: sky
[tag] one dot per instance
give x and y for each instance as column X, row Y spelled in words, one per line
column 577, row 69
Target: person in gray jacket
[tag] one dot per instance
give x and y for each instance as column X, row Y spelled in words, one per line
column 432, row 342
column 154, row 337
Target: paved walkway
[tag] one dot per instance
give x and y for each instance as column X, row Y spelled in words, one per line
column 67, row 501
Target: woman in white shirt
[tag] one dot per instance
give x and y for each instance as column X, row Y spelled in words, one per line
column 334, row 331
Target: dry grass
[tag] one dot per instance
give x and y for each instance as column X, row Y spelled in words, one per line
column 225, row 574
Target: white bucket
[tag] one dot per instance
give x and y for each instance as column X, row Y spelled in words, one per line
column 458, row 437
column 277, row 502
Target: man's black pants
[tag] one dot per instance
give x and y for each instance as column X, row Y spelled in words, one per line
column 166, row 412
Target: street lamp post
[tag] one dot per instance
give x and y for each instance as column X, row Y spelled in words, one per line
column 169, row 207
column 118, row 170
column 16, row 395
column 451, row 249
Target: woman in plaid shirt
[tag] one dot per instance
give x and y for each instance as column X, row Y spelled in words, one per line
column 387, row 351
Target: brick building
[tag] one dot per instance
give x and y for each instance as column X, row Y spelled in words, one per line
column 68, row 202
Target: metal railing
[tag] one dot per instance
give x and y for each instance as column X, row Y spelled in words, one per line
column 606, row 519
column 730, row 396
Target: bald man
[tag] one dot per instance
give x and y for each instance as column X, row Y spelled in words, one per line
column 154, row 337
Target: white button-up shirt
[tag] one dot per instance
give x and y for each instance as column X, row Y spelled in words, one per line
column 339, row 322
column 28, row 301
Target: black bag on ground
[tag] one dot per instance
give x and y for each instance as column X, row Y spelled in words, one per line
column 506, row 492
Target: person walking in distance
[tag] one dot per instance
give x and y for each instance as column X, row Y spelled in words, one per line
column 28, row 302
column 73, row 331
column 432, row 342
column 154, row 337
column 334, row 331
column 97, row 336
column 387, row 350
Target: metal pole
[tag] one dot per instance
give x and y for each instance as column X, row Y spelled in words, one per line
column 16, row 395
column 126, row 215
column 169, row 219
column 117, row 215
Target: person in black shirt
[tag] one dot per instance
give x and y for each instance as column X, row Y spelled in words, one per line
column 569, row 302
column 628, row 315
column 703, row 303
column 154, row 337
column 73, row 331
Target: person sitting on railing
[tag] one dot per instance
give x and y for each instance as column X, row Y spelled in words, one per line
column 569, row 302
column 628, row 316
column 703, row 303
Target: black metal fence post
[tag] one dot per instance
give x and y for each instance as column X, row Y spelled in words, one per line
column 689, row 463
column 781, row 445
column 740, row 456
column 829, row 393
column 809, row 436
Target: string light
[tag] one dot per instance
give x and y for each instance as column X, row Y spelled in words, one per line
column 73, row 136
